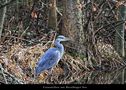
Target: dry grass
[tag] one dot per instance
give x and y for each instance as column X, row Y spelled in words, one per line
column 20, row 61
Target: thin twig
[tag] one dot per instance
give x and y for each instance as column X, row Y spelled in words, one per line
column 7, row 73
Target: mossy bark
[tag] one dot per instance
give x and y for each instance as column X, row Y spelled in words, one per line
column 120, row 31
column 72, row 24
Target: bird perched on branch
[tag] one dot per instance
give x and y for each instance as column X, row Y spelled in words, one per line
column 51, row 57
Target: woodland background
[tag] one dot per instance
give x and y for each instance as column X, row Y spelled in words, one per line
column 29, row 27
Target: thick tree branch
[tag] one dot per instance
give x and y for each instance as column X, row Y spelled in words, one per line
column 8, row 3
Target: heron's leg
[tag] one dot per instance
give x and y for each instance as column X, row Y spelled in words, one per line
column 49, row 71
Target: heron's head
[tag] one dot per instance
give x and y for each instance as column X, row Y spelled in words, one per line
column 62, row 38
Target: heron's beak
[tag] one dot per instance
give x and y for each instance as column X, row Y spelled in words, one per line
column 67, row 39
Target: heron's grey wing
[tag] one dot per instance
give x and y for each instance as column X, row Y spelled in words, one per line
column 51, row 58
column 48, row 60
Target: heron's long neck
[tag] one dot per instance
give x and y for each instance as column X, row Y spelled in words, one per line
column 59, row 46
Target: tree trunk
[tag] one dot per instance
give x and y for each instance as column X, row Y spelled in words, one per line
column 72, row 24
column 2, row 18
column 52, row 22
column 120, row 31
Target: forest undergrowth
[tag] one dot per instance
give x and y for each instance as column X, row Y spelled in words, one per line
column 18, row 62
column 26, row 37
